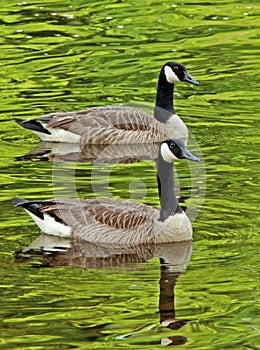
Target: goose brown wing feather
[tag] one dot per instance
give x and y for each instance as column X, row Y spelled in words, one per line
column 113, row 213
column 117, row 218
column 123, row 118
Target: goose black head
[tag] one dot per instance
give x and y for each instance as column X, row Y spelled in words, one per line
column 175, row 72
column 173, row 149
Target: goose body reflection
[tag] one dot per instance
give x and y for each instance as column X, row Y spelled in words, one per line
column 60, row 251
column 118, row 124
column 117, row 221
column 174, row 257
column 109, row 154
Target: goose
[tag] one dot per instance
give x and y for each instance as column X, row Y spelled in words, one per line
column 116, row 221
column 119, row 124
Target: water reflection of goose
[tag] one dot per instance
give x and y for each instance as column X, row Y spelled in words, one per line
column 117, row 221
column 124, row 154
column 173, row 260
column 57, row 251
column 60, row 251
column 118, row 124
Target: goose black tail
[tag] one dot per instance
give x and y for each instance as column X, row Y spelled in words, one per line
column 31, row 124
column 31, row 207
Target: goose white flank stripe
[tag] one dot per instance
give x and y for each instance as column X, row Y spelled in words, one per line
column 50, row 226
column 59, row 135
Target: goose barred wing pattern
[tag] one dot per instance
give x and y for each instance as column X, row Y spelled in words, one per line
column 108, row 124
column 95, row 220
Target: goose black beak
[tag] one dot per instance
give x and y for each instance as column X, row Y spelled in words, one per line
column 188, row 155
column 189, row 79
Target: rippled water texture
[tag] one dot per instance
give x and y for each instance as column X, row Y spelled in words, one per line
column 70, row 55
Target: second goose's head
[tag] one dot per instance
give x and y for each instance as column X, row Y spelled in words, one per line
column 172, row 150
column 175, row 72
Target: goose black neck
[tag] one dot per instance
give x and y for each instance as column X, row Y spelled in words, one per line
column 165, row 181
column 164, row 99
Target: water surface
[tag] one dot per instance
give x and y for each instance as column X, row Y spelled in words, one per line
column 70, row 55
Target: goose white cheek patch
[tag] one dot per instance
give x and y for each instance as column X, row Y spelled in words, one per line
column 167, row 155
column 171, row 77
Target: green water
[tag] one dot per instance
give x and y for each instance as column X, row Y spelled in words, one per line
column 69, row 55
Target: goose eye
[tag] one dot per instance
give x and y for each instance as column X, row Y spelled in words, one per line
column 172, row 145
column 175, row 67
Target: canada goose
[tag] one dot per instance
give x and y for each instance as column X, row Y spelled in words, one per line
column 118, row 124
column 116, row 221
